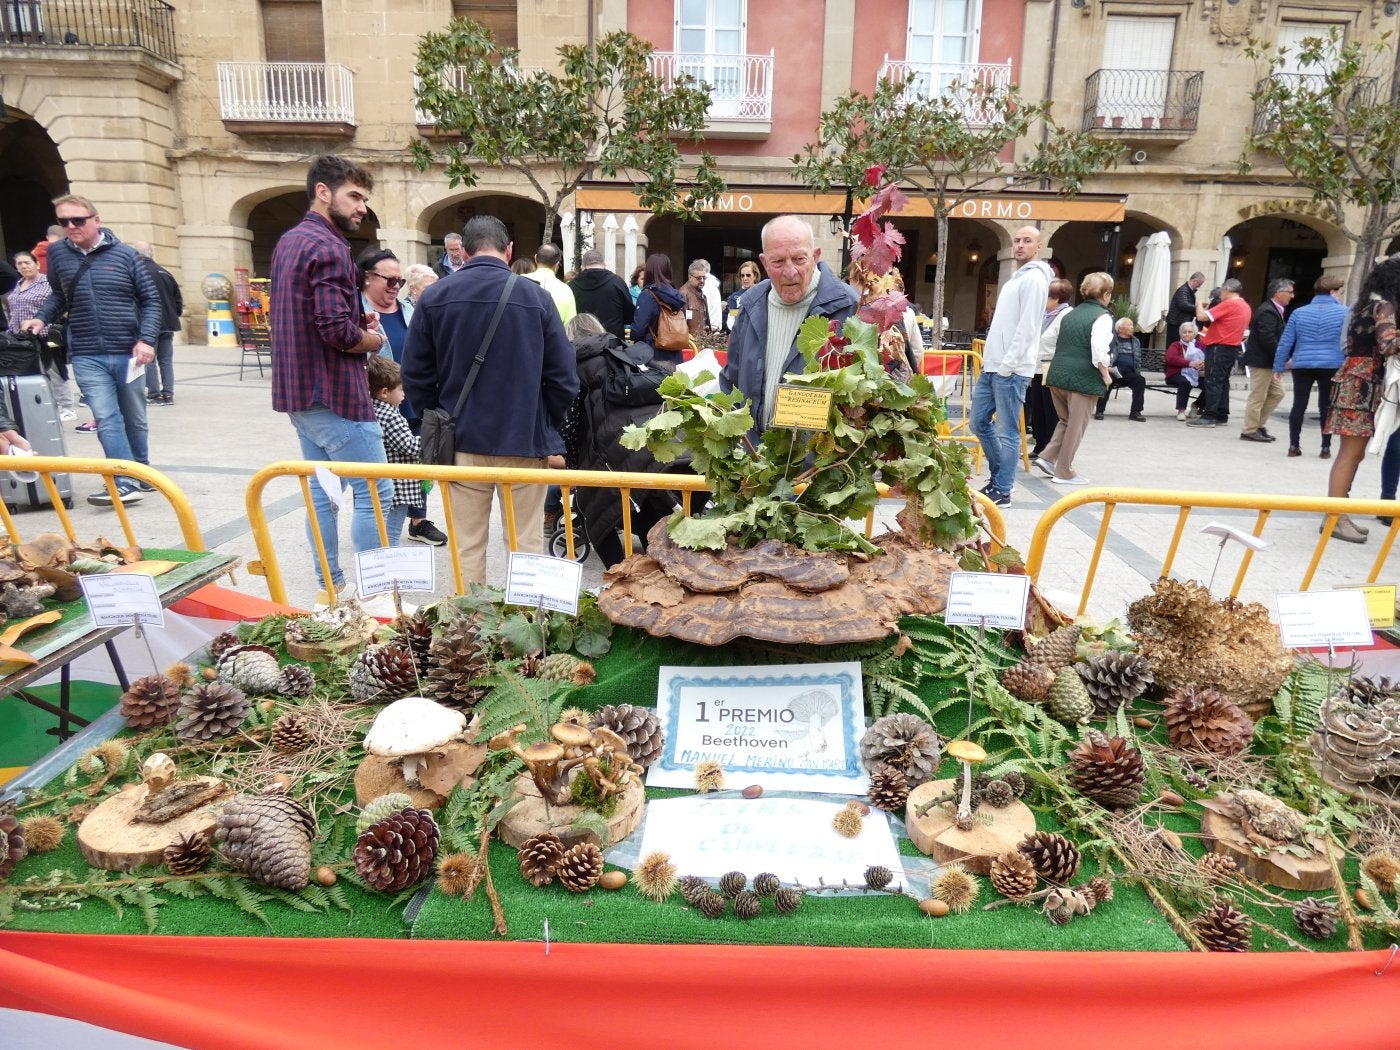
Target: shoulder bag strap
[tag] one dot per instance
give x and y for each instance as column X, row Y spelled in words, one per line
column 485, row 345
column 77, row 276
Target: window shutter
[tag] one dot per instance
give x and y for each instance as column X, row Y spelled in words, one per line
column 293, row 31
column 500, row 18
column 1292, row 34
column 1138, row 43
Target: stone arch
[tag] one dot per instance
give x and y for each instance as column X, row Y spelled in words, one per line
column 278, row 212
column 32, row 173
column 1265, row 247
column 243, row 207
column 523, row 216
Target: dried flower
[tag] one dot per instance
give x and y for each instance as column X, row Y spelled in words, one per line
column 709, row 776
column 655, row 877
column 42, row 834
column 956, row 886
column 848, row 822
column 454, row 873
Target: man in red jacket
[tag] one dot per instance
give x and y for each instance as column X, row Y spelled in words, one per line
column 1229, row 321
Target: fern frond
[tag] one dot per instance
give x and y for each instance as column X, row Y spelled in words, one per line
column 512, row 700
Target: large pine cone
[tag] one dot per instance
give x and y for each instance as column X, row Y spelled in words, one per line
column 458, row 657
column 382, row 674
column 416, row 632
column 1358, row 689
column 1013, row 875
column 151, row 701
column 252, row 668
column 1107, row 769
column 1028, row 681
column 1069, row 701
column 1202, row 719
column 580, row 867
column 904, row 742
column 539, row 858
column 1316, row 918
column 1115, row 678
column 269, row 838
column 290, row 735
column 1223, row 928
column 12, row 847
column 1057, row 650
column 639, row 726
column 397, row 851
column 1054, row 857
column 566, row 667
column 211, row 711
column 187, row 854
column 889, row 789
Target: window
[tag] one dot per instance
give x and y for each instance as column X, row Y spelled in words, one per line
column 496, row 16
column 710, row 41
column 1140, row 50
column 942, row 42
column 1291, row 36
column 293, row 31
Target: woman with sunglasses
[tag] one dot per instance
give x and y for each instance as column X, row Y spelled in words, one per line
column 381, row 281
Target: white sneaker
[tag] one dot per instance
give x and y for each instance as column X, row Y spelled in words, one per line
column 345, row 593
column 67, row 414
column 1076, row 480
column 1181, row 415
column 1045, row 465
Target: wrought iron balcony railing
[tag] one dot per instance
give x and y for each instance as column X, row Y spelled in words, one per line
column 1138, row 100
column 741, row 86
column 145, row 24
column 1362, row 93
column 286, row 92
column 930, row 80
column 455, row 77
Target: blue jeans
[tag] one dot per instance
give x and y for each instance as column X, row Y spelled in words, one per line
column 160, row 373
column 1390, row 467
column 393, row 522
column 328, row 438
column 118, row 406
column 1001, row 397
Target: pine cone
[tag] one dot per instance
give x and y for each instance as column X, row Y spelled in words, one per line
column 382, row 674
column 187, row 854
column 290, row 735
column 998, row 794
column 151, row 701
column 539, row 858
column 765, row 884
column 269, row 838
column 566, row 667
column 787, row 900
column 376, row 809
column 1057, row 650
column 1054, row 857
column 1013, row 875
column 1202, row 719
column 1069, row 701
column 1028, row 681
column 1223, row 928
column 1359, row 689
column 1016, row 780
column 1317, row 919
column 639, row 726
column 398, row 851
column 222, row 643
column 531, row 665
column 693, row 887
column 297, row 680
column 12, row 848
column 889, row 789
column 416, row 632
column 1115, row 678
column 580, row 867
column 1062, row 904
column 903, row 742
column 211, row 711
column 747, row 905
column 1107, row 769
column 1217, row 868
column 876, row 877
column 458, row 657
column 251, row 668
column 711, row 905
column 1099, row 890
column 732, row 883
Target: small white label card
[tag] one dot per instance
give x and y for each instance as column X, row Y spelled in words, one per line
column 538, row 579
column 1308, row 619
column 410, row 567
column 791, row 837
column 794, row 727
column 122, row 599
column 996, row 599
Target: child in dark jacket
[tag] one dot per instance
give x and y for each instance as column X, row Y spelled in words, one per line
column 401, row 445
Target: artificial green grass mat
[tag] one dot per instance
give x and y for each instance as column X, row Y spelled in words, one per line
column 24, row 729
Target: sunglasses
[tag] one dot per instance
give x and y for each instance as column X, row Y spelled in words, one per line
column 392, row 282
column 76, row 220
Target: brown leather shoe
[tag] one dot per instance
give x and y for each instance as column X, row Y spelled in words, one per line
column 1348, row 531
column 1326, row 453
column 1252, row 435
column 1294, row 450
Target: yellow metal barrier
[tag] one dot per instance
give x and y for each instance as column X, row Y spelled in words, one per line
column 108, row 469
column 961, row 431
column 268, row 567
column 1264, row 505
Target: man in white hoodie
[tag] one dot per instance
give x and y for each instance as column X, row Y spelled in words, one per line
column 1008, row 362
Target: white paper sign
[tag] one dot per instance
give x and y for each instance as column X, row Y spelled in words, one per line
column 1320, row 618
column 410, row 567
column 122, row 599
column 794, row 727
column 333, row 486
column 793, row 838
column 537, row 579
column 994, row 598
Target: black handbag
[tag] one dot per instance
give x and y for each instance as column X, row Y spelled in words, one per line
column 437, row 437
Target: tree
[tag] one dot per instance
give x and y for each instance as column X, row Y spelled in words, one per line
column 604, row 114
column 944, row 148
column 1336, row 134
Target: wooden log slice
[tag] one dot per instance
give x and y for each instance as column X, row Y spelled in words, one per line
column 532, row 816
column 1274, row 868
column 452, row 765
column 110, row 838
column 325, row 652
column 936, row 834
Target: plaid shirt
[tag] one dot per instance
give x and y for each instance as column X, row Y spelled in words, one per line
column 400, row 446
column 316, row 323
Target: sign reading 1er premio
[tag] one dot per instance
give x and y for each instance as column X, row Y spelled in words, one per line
column 802, row 408
column 793, row 727
column 995, row 599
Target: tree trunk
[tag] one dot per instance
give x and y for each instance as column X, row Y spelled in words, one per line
column 1367, row 245
column 940, row 270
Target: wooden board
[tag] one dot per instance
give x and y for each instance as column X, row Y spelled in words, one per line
column 108, row 837
column 1284, row 870
column 532, row 816
column 936, row 833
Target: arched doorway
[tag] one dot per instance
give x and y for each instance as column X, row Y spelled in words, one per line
column 1271, row 247
column 523, row 218
column 31, row 175
column 275, row 216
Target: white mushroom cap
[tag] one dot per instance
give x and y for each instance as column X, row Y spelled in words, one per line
column 413, row 726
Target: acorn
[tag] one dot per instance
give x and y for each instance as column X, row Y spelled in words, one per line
column 612, row 880
column 934, row 907
column 325, row 876
column 1170, row 798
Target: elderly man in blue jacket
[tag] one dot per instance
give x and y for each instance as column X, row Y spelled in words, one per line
column 763, row 344
column 526, row 383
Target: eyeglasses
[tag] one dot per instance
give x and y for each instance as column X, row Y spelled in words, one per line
column 391, row 282
column 78, row 221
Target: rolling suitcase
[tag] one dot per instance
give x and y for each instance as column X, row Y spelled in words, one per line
column 29, row 400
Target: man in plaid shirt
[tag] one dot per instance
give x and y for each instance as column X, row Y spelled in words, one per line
column 320, row 340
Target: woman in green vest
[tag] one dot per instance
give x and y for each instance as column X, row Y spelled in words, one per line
column 1078, row 376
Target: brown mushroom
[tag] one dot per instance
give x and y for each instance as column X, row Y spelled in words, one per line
column 571, row 735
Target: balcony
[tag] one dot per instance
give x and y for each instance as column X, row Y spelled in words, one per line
column 741, row 89
column 287, row 98
column 932, row 80
column 1363, row 93
column 91, row 28
column 455, row 77
column 1157, row 104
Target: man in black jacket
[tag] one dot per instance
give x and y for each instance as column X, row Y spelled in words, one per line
column 160, row 374
column 1183, row 304
column 602, row 293
column 1265, row 388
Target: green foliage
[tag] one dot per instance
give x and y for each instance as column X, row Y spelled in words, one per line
column 270, row 630
column 602, row 115
column 513, row 700
column 877, row 426
column 585, row 793
column 517, row 630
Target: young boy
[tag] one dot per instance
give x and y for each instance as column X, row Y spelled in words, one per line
column 400, row 443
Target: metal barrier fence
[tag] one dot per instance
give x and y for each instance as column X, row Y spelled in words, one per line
column 108, row 469
column 506, row 480
column 1331, row 508
column 969, row 371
